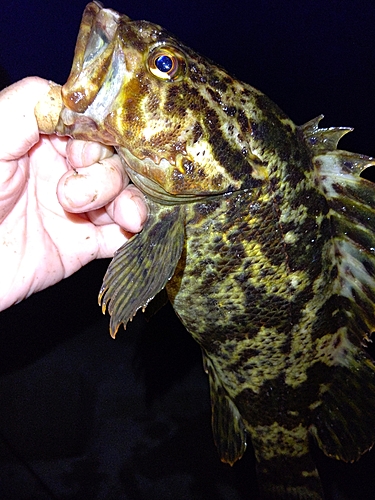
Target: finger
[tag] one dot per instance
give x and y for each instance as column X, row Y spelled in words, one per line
column 99, row 217
column 60, row 143
column 85, row 153
column 89, row 188
column 110, row 238
column 47, row 110
column 129, row 210
column 19, row 131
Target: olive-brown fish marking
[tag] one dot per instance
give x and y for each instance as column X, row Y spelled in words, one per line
column 261, row 232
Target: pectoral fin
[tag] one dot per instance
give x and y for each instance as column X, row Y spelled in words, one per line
column 142, row 267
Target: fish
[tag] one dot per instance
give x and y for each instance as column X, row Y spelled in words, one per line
column 261, row 233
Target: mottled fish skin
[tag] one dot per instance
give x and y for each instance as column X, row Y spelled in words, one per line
column 265, row 233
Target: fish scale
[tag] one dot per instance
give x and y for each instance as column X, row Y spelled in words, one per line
column 261, row 232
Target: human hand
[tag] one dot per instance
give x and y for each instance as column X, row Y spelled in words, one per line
column 63, row 203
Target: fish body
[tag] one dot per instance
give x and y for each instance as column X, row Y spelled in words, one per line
column 262, row 233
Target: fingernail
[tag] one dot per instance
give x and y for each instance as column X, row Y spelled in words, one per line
column 142, row 207
column 94, row 152
column 75, row 191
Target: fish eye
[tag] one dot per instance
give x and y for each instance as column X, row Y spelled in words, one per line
column 166, row 64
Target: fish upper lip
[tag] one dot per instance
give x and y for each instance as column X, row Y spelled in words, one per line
column 108, row 20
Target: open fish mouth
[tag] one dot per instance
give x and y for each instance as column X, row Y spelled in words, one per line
column 97, row 74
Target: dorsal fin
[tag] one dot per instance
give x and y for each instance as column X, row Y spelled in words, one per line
column 325, row 140
column 344, row 416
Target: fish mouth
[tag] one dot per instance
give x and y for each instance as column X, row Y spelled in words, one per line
column 98, row 72
column 139, row 171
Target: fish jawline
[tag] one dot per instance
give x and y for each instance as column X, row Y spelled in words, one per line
column 151, row 188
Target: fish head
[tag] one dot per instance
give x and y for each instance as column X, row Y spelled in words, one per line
column 173, row 116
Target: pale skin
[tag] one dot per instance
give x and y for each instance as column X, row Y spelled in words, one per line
column 63, row 203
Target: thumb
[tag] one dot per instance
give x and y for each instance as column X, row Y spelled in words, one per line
column 18, row 125
column 18, row 132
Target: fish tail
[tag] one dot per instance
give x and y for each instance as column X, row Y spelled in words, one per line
column 289, row 478
column 285, row 468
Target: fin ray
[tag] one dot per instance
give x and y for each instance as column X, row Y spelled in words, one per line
column 343, row 424
column 227, row 425
column 142, row 267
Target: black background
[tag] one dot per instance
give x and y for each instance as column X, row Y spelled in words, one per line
column 82, row 416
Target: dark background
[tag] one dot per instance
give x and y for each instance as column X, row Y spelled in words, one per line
column 83, row 416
